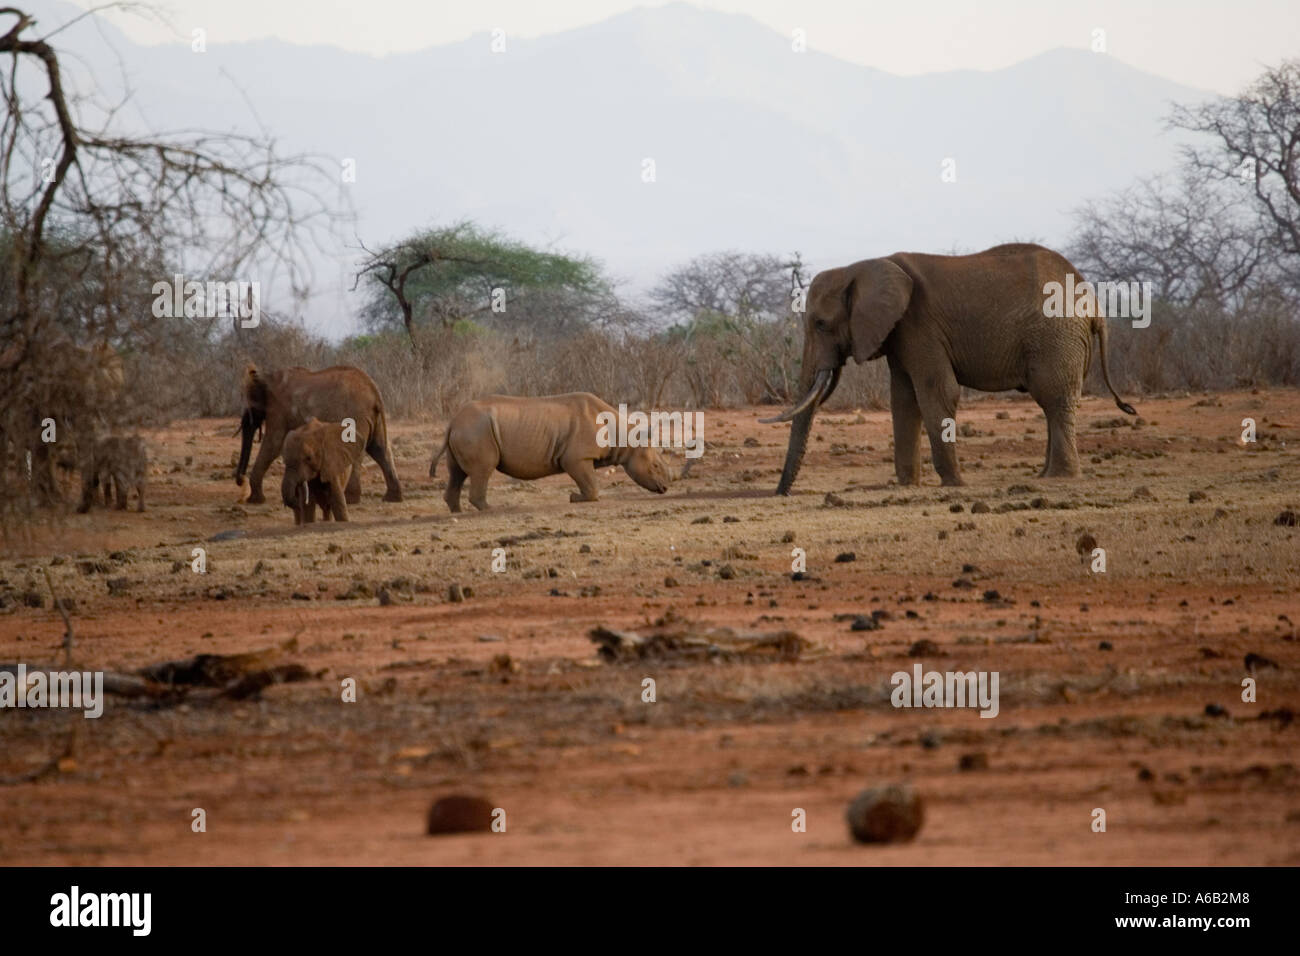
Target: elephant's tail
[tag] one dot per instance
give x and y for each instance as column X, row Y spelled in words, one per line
column 433, row 465
column 1099, row 330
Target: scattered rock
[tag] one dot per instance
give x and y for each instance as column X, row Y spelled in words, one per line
column 973, row 761
column 924, row 648
column 1214, row 710
column 1256, row 662
column 845, row 557
column 460, row 814
column 891, row 814
column 230, row 535
column 1287, row 519
column 979, row 508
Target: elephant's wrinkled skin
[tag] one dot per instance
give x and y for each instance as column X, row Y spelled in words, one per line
column 283, row 400
column 943, row 322
column 318, row 464
column 530, row 438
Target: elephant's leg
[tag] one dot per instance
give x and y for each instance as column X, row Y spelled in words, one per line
column 936, row 394
column 272, row 441
column 121, row 489
column 353, row 491
column 87, row 495
column 907, row 426
column 583, row 472
column 338, row 499
column 378, row 450
column 1047, row 461
column 456, row 478
column 139, row 490
column 1062, row 450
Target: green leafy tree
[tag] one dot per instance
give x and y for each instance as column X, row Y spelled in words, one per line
column 438, row 278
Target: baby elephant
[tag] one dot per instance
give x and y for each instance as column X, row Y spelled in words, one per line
column 531, row 438
column 318, row 462
column 114, row 463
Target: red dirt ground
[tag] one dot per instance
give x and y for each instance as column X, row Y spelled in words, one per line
column 1198, row 576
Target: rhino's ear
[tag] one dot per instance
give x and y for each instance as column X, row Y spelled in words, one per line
column 878, row 295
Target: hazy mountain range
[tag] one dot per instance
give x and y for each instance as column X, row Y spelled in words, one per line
column 755, row 146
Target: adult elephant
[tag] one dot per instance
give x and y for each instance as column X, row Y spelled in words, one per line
column 280, row 401
column 943, row 322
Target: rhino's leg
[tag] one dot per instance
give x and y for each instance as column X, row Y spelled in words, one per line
column 478, row 482
column 456, row 478
column 583, row 472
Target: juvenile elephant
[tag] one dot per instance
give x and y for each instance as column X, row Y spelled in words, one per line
column 530, row 438
column 943, row 322
column 281, row 401
column 114, row 463
column 318, row 464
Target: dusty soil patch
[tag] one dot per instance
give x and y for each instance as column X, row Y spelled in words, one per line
column 1120, row 690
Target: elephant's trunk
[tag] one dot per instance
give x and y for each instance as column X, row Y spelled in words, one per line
column 248, row 425
column 802, row 415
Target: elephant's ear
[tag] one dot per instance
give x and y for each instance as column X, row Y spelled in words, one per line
column 878, row 297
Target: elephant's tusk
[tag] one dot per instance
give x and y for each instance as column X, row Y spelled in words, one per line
column 814, row 395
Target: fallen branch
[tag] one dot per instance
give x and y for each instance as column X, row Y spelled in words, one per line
column 698, row 642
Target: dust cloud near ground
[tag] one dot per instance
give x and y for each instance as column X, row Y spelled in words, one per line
column 1120, row 690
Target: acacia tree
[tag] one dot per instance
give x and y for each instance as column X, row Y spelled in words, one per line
column 90, row 217
column 441, row 276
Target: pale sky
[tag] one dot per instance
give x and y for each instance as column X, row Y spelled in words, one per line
column 1216, row 45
